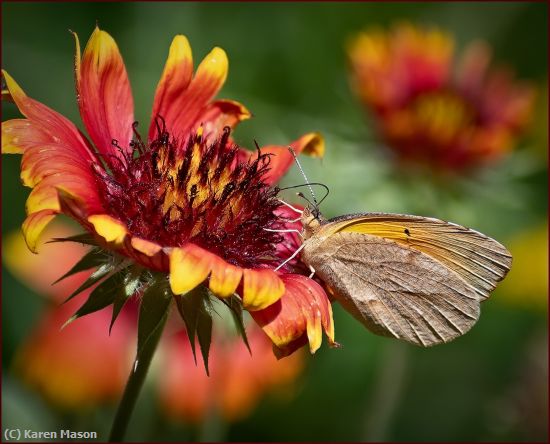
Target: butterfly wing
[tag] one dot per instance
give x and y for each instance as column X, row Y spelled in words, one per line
column 417, row 279
column 481, row 261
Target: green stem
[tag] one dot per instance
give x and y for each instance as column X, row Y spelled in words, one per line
column 134, row 384
column 212, row 428
column 388, row 390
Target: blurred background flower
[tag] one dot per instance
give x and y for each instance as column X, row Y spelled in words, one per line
column 433, row 109
column 477, row 388
column 80, row 366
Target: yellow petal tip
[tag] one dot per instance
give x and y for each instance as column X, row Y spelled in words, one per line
column 109, row 228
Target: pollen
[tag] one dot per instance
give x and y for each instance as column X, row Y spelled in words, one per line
column 198, row 191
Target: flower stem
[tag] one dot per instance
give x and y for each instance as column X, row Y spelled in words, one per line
column 389, row 385
column 134, row 384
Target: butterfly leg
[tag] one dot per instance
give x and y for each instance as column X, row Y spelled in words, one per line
column 290, row 230
column 312, row 271
column 291, row 257
column 291, row 207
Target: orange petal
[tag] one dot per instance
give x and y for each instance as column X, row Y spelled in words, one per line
column 302, row 312
column 182, row 112
column 34, row 225
column 173, row 83
column 261, row 288
column 40, row 161
column 311, row 144
column 60, row 130
column 220, row 114
column 225, row 278
column 104, row 94
column 111, row 229
column 144, row 246
column 20, row 134
column 54, row 152
column 189, row 267
column 42, row 197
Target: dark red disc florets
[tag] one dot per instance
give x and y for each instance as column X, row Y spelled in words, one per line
column 200, row 192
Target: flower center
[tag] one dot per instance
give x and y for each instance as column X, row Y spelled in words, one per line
column 442, row 115
column 172, row 193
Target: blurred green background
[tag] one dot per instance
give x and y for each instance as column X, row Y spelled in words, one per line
column 288, row 66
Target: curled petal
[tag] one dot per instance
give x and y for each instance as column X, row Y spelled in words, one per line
column 189, row 266
column 33, row 226
column 220, row 114
column 311, row 144
column 45, row 193
column 300, row 316
column 181, row 102
column 111, row 229
column 104, row 94
column 261, row 288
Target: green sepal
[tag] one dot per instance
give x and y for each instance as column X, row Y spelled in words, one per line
column 93, row 258
column 83, row 238
column 102, row 271
column 153, row 312
column 102, row 296
column 196, row 309
column 131, row 283
column 236, row 308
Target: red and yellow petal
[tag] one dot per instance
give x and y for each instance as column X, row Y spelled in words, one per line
column 220, row 114
column 311, row 144
column 145, row 247
column 261, row 288
column 300, row 316
column 182, row 103
column 189, row 267
column 104, row 94
column 55, row 156
column 34, row 225
column 109, row 228
column 173, row 83
column 225, row 278
column 60, row 131
column 20, row 134
column 40, row 161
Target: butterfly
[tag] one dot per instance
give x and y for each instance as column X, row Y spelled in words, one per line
column 414, row 278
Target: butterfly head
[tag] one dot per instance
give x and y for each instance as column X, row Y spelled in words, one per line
column 312, row 219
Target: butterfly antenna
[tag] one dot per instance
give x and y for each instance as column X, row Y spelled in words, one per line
column 300, row 194
column 306, row 179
